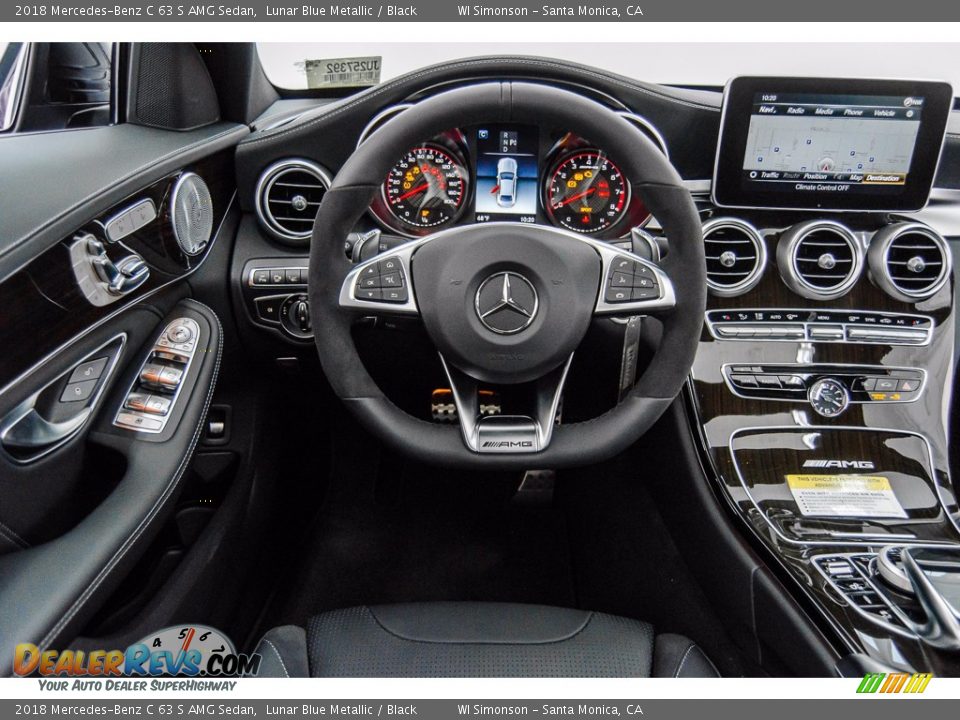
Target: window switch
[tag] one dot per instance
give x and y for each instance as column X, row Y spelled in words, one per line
column 157, row 405
column 145, row 403
column 136, row 401
column 160, row 377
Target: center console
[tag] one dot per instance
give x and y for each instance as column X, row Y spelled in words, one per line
column 823, row 381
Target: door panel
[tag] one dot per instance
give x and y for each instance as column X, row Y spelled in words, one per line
column 85, row 306
column 137, row 476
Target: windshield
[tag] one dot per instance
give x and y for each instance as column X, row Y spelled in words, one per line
column 293, row 65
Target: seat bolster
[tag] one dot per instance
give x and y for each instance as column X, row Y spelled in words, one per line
column 283, row 653
column 675, row 656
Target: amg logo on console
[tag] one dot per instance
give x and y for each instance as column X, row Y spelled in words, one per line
column 855, row 464
column 508, row 443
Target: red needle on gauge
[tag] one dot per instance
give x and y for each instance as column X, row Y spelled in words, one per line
column 572, row 198
column 411, row 193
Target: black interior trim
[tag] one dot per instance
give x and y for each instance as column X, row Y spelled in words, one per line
column 114, row 533
column 84, row 173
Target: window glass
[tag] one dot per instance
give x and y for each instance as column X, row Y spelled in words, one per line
column 693, row 64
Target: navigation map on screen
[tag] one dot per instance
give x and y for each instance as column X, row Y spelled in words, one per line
column 821, row 143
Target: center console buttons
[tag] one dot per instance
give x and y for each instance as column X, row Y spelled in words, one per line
column 793, row 383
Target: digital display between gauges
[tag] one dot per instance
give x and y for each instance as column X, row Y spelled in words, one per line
column 586, row 192
column 507, row 175
column 427, row 188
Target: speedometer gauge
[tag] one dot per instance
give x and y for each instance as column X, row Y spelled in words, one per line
column 586, row 192
column 426, row 188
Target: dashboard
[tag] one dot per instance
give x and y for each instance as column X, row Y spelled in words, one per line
column 828, row 340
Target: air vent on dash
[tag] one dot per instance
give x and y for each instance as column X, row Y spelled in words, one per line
column 819, row 259
column 288, row 196
column 909, row 261
column 736, row 256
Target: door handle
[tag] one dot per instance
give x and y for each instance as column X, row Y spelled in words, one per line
column 26, row 429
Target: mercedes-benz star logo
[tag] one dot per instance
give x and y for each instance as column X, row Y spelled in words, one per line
column 506, row 303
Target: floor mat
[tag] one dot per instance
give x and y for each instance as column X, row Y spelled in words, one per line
column 395, row 531
column 627, row 562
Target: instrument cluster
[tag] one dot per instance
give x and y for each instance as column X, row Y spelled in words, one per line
column 508, row 172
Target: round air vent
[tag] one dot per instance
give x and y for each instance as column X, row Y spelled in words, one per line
column 736, row 256
column 288, row 197
column 909, row 261
column 819, row 259
column 192, row 211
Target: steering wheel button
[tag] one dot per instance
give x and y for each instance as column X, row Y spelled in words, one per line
column 391, row 280
column 641, row 293
column 640, row 281
column 371, row 294
column 617, row 295
column 621, row 279
column 389, row 265
column 622, row 264
column 370, row 282
column 395, row 295
column 370, row 271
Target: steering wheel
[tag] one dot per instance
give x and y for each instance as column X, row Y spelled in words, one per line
column 508, row 302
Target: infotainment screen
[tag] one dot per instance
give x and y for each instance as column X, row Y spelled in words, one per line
column 830, row 144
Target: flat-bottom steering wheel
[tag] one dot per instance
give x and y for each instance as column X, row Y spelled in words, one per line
column 509, row 303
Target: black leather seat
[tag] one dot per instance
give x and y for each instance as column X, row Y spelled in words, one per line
column 467, row 639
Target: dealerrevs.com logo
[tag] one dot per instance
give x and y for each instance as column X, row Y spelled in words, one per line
column 184, row 650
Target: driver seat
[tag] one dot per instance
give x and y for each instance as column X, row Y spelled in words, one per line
column 476, row 639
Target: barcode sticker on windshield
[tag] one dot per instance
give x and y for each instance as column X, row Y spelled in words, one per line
column 343, row 72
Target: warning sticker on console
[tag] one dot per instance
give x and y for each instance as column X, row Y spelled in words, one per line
column 859, row 496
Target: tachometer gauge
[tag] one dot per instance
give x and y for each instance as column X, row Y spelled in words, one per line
column 586, row 192
column 426, row 188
